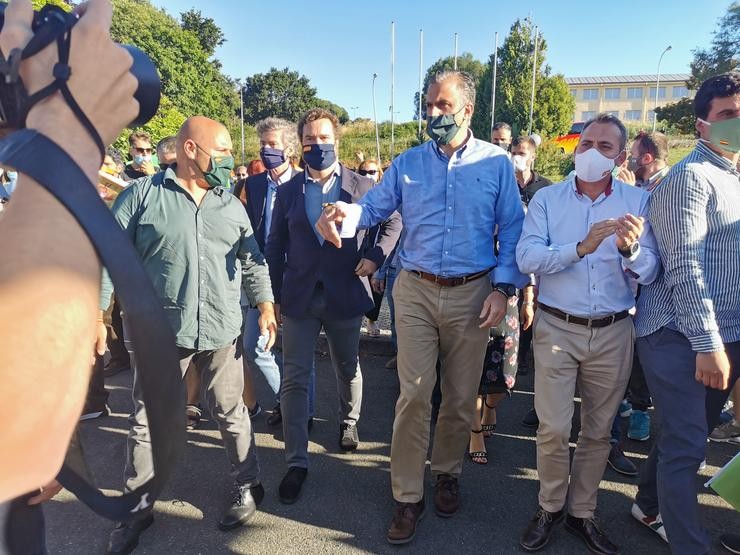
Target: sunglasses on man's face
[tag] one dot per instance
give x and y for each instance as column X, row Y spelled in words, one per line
column 140, row 150
column 368, row 172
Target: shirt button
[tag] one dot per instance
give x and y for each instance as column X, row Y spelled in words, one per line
column 449, row 208
column 448, row 230
column 202, row 257
column 593, row 287
column 447, row 252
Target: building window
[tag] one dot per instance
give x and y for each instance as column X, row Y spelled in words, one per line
column 590, row 94
column 611, row 93
column 586, row 116
column 573, row 92
column 661, row 92
column 680, row 92
column 633, row 115
column 634, row 92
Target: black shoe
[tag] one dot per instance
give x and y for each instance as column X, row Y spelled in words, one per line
column 243, row 506
column 125, row 536
column 90, row 413
column 620, row 463
column 731, row 542
column 588, row 530
column 531, row 420
column 537, row 533
column 255, row 411
column 348, row 437
column 290, row 487
column 276, row 417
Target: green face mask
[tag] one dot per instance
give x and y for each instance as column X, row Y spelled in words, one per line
column 443, row 128
column 724, row 134
column 220, row 172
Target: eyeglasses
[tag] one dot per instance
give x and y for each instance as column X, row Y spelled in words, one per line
column 367, row 172
column 140, row 150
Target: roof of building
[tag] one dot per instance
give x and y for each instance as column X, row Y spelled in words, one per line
column 619, row 79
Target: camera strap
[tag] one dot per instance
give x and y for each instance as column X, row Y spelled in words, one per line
column 38, row 157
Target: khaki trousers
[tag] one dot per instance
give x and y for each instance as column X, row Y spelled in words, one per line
column 435, row 322
column 598, row 361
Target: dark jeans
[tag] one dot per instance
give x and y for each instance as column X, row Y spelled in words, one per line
column 374, row 312
column 119, row 357
column 22, row 529
column 638, row 390
column 688, row 411
column 97, row 396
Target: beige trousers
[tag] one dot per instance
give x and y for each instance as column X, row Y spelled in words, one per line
column 598, row 361
column 435, row 322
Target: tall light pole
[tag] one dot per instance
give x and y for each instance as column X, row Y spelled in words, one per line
column 534, row 77
column 421, row 76
column 375, row 118
column 455, row 66
column 657, row 87
column 393, row 86
column 241, row 105
column 493, row 83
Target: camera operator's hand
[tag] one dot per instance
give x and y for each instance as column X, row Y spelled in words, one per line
column 100, row 80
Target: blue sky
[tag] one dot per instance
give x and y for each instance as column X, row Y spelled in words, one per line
column 338, row 45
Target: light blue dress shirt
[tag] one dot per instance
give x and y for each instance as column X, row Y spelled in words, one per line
column 316, row 195
column 600, row 283
column 271, row 194
column 450, row 208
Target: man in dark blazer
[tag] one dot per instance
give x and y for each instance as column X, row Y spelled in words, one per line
column 318, row 285
column 279, row 149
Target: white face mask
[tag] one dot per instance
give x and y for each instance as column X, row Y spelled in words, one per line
column 521, row 164
column 592, row 166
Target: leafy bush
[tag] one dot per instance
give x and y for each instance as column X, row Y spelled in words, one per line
column 552, row 162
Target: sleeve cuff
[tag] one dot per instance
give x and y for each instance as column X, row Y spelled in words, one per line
column 707, row 342
column 569, row 253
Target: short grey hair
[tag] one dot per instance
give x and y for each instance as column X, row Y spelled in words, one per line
column 287, row 130
column 168, row 145
column 465, row 82
column 605, row 117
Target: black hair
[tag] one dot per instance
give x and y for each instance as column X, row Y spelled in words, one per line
column 719, row 86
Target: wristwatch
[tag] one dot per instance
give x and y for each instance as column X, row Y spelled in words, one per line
column 631, row 250
column 506, row 289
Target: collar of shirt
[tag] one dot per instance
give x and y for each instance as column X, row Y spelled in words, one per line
column 601, row 197
column 170, row 175
column 337, row 173
column 714, row 158
column 282, row 179
column 459, row 152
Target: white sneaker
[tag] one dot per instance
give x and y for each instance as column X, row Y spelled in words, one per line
column 655, row 523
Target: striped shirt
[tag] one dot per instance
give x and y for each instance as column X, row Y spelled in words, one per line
column 695, row 214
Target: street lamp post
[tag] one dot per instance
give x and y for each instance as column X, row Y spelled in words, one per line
column 657, row 87
column 241, row 105
column 375, row 119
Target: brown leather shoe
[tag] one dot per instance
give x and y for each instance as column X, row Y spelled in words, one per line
column 588, row 530
column 405, row 518
column 446, row 496
column 537, row 533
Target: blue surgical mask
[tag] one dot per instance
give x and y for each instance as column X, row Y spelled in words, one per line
column 141, row 159
column 272, row 157
column 319, row 156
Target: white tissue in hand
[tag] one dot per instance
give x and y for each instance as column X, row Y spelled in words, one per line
column 348, row 227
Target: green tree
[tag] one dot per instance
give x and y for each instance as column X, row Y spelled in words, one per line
column 38, row 4
column 723, row 54
column 194, row 84
column 553, row 105
column 279, row 92
column 678, row 115
column 208, row 33
column 465, row 62
column 166, row 122
column 335, row 109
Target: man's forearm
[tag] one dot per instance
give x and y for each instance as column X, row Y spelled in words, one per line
column 49, row 298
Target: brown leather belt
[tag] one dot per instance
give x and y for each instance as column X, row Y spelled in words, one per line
column 588, row 322
column 450, row 281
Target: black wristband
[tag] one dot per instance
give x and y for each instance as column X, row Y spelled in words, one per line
column 157, row 358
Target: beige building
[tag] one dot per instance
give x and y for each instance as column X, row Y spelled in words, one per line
column 629, row 97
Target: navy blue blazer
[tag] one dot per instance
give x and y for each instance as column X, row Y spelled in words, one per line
column 297, row 260
column 256, row 186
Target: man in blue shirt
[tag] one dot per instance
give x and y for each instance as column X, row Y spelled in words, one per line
column 587, row 241
column 453, row 192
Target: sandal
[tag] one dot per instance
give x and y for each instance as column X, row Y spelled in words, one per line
column 489, row 429
column 193, row 414
column 478, row 457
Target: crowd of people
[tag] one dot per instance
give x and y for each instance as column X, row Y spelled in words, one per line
column 619, row 282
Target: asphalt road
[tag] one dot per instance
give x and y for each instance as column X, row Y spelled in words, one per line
column 346, row 503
